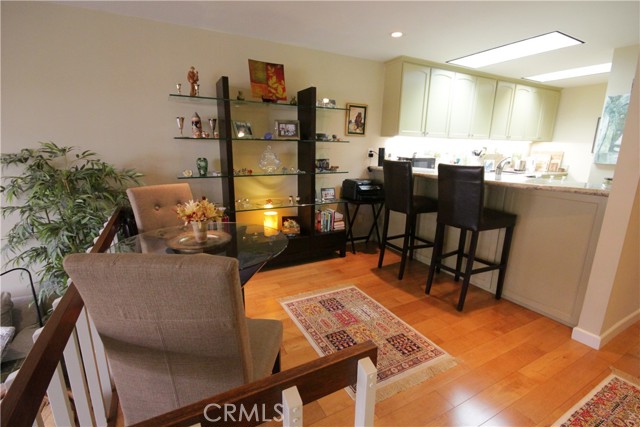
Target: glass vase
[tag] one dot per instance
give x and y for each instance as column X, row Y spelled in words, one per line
column 199, row 231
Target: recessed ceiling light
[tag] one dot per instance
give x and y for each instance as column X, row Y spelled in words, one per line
column 528, row 47
column 397, row 34
column 574, row 72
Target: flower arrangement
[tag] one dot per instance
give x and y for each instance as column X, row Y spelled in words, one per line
column 198, row 211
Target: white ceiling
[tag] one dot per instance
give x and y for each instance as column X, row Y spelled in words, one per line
column 434, row 30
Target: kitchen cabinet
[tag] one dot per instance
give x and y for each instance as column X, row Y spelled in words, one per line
column 524, row 113
column 471, row 106
column 405, row 99
column 441, row 85
column 310, row 242
column 422, row 100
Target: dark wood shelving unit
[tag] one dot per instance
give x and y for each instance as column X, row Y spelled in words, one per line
column 310, row 243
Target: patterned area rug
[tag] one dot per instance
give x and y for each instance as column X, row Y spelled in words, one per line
column 614, row 402
column 339, row 318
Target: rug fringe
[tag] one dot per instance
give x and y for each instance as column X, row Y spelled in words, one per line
column 626, row 376
column 316, row 292
column 415, row 378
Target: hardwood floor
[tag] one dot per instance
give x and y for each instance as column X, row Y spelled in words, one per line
column 516, row 367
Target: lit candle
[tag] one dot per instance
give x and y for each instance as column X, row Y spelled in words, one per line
column 270, row 223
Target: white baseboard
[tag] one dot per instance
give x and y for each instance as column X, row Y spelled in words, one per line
column 598, row 341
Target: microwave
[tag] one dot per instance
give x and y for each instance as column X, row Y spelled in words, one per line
column 421, row 162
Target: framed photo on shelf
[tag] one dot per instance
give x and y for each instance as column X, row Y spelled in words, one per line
column 290, row 225
column 356, row 119
column 328, row 193
column 287, row 129
column 242, row 129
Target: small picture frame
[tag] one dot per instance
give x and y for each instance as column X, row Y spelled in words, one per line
column 290, row 226
column 489, row 165
column 328, row 193
column 356, row 120
column 287, row 129
column 242, row 130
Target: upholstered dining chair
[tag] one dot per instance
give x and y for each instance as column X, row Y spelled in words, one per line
column 154, row 205
column 173, row 326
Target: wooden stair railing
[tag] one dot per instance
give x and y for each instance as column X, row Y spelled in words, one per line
column 22, row 402
column 313, row 380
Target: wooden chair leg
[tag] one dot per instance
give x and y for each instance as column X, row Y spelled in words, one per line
column 385, row 231
column 435, row 255
column 405, row 245
column 504, row 260
column 276, row 365
column 461, row 242
column 467, row 274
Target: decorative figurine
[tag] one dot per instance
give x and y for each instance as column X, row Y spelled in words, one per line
column 203, row 166
column 179, row 87
column 290, row 200
column 293, row 101
column 212, row 124
column 269, row 161
column 180, row 121
column 192, row 77
column 240, row 96
column 268, row 135
column 196, row 126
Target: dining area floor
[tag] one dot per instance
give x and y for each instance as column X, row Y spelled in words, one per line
column 514, row 367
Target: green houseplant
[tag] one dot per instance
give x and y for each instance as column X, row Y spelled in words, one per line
column 61, row 198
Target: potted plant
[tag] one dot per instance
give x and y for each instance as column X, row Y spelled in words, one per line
column 60, row 198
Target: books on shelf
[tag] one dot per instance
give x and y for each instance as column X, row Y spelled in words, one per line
column 329, row 220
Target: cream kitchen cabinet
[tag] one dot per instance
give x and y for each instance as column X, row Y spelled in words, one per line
column 438, row 109
column 405, row 99
column 523, row 112
column 471, row 106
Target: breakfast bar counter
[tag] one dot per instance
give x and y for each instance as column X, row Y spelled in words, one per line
column 554, row 240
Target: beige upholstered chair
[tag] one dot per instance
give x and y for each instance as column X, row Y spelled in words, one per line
column 173, row 326
column 154, row 205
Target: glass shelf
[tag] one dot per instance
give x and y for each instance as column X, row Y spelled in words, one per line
column 235, row 102
column 255, row 207
column 202, row 177
column 288, row 174
column 196, row 139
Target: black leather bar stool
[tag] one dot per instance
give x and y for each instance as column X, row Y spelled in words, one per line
column 399, row 197
column 461, row 205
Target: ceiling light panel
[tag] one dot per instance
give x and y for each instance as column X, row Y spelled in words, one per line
column 574, row 72
column 533, row 46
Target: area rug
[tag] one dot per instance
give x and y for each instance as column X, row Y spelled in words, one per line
column 338, row 318
column 613, row 402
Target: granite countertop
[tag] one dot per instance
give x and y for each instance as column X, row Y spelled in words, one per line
column 526, row 182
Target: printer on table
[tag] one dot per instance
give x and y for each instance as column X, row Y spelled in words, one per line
column 362, row 190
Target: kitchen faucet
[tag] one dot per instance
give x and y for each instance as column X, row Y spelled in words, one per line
column 501, row 164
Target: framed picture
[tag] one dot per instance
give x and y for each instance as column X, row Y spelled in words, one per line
column 288, row 129
column 356, row 119
column 242, row 129
column 328, row 193
column 290, row 225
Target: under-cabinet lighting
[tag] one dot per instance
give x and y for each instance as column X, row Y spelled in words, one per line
column 528, row 47
column 574, row 72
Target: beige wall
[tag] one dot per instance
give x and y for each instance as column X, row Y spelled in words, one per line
column 612, row 300
column 578, row 114
column 623, row 69
column 101, row 82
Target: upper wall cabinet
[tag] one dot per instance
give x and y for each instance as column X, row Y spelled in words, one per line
column 524, row 112
column 471, row 106
column 424, row 101
column 405, row 99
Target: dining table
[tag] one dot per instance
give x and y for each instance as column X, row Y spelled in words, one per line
column 253, row 245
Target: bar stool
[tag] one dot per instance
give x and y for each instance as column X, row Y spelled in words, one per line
column 461, row 205
column 399, row 197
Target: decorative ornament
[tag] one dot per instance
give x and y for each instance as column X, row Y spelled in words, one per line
column 192, row 77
